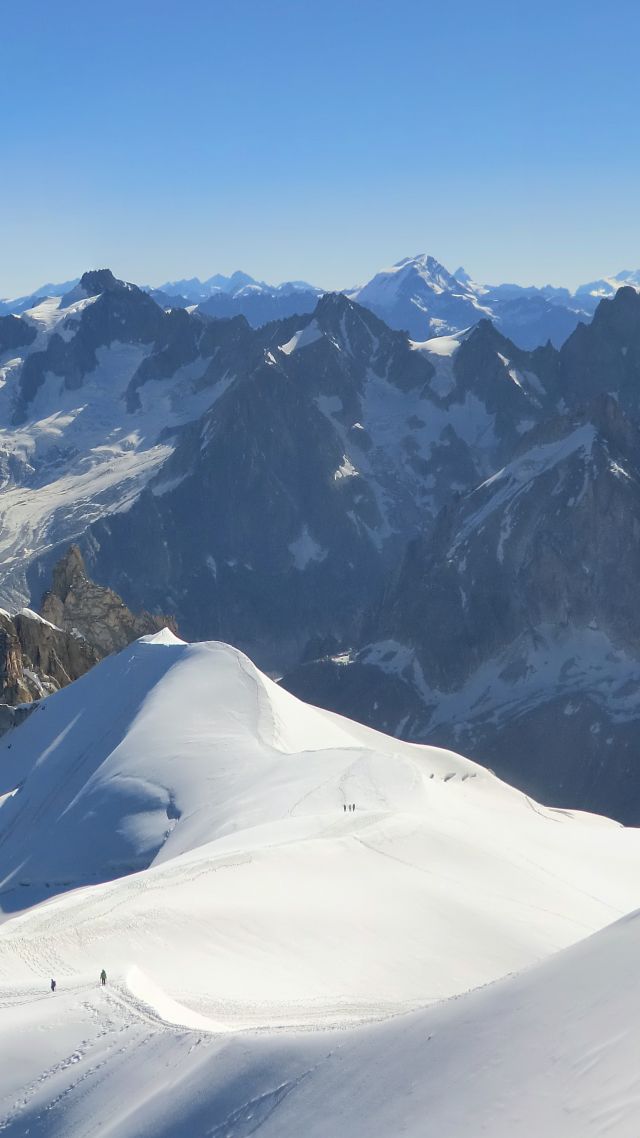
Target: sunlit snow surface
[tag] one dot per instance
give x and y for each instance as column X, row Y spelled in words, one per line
column 302, row 339
column 178, row 819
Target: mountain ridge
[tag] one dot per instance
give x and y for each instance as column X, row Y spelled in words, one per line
column 263, row 485
column 432, row 301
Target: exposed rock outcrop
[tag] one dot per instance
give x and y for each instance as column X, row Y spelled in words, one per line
column 93, row 612
column 36, row 658
column 83, row 622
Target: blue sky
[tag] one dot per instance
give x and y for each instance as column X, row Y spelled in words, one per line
column 318, row 138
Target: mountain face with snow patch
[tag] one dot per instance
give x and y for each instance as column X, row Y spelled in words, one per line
column 331, row 452
column 90, row 404
column 510, row 629
column 269, row 523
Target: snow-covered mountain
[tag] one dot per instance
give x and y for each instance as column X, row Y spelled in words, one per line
column 79, row 436
column 237, row 284
column 222, row 296
column 417, row 295
column 239, row 295
column 195, row 290
column 333, row 448
column 262, row 485
column 510, row 630
column 176, row 818
column 274, row 473
column 420, row 296
column 592, row 293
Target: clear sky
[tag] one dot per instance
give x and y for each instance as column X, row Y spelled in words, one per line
column 321, row 139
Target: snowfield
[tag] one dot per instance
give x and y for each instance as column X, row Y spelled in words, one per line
column 277, row 964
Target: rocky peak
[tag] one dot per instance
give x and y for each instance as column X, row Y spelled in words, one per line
column 485, row 335
column 69, row 568
column 100, row 280
column 483, row 349
column 77, row 605
column 332, row 305
column 351, row 325
column 462, row 275
column 611, row 339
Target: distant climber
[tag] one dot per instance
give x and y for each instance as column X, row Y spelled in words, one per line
column 53, row 985
column 345, row 807
column 103, row 977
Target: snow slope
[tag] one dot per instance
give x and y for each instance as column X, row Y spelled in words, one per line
column 184, row 817
column 550, row 1052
